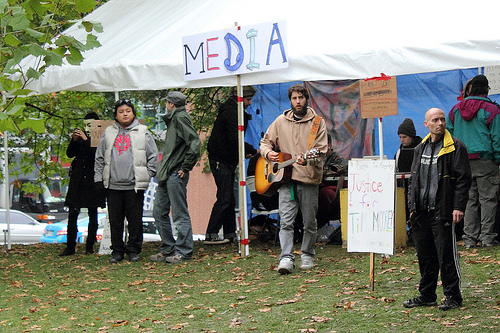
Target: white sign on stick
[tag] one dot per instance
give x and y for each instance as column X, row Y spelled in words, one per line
column 238, row 50
column 370, row 206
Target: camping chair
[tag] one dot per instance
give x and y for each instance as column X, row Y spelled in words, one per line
column 268, row 226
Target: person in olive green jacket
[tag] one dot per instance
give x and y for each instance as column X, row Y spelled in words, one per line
column 180, row 154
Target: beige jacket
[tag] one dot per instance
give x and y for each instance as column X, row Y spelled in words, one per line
column 287, row 135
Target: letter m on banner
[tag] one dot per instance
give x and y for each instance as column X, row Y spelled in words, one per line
column 239, row 50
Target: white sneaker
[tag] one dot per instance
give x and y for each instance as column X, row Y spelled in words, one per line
column 306, row 261
column 286, row 266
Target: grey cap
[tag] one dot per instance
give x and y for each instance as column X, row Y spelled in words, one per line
column 176, row 97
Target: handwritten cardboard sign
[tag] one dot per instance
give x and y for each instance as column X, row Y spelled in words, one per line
column 97, row 127
column 379, row 97
column 370, row 206
column 238, row 50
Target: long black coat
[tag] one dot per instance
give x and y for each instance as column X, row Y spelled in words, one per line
column 81, row 193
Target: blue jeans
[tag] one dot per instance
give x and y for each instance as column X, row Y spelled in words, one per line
column 173, row 194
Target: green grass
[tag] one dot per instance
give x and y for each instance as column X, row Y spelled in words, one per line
column 220, row 292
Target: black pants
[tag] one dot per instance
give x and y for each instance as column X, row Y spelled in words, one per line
column 125, row 204
column 223, row 213
column 73, row 228
column 436, row 251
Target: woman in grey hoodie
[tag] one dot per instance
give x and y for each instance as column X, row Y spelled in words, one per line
column 126, row 159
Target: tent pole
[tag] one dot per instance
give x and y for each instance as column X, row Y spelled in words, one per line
column 242, row 174
column 6, row 185
column 380, row 138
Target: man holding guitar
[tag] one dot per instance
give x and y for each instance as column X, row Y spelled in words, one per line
column 299, row 132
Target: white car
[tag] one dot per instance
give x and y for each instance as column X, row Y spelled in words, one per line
column 23, row 228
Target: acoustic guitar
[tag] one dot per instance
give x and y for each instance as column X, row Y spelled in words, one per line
column 269, row 176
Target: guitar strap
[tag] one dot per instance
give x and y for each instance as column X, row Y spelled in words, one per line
column 310, row 142
column 314, row 131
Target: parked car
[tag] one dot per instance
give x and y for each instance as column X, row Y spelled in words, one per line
column 58, row 232
column 23, row 228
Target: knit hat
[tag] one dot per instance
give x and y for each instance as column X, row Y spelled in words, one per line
column 407, row 128
column 176, row 97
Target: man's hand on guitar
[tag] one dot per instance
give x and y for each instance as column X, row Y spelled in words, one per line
column 273, row 156
column 301, row 160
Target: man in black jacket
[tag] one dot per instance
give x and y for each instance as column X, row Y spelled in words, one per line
column 223, row 158
column 440, row 182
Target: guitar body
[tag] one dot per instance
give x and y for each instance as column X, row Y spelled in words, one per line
column 268, row 177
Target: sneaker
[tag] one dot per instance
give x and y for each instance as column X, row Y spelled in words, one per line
column 450, row 303
column 215, row 241
column 134, row 257
column 286, row 266
column 306, row 261
column 160, row 256
column 67, row 252
column 470, row 246
column 493, row 243
column 116, row 258
column 176, row 258
column 418, row 301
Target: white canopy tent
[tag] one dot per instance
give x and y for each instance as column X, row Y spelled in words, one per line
column 326, row 40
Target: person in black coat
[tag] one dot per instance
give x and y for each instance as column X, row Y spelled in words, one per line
column 223, row 157
column 81, row 192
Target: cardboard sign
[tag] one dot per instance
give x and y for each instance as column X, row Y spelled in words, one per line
column 379, row 97
column 97, row 127
column 370, row 206
column 238, row 50
column 493, row 75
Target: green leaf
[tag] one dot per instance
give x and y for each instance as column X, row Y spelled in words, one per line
column 52, row 58
column 6, row 124
column 11, row 40
column 21, row 92
column 85, row 6
column 87, row 25
column 64, row 40
column 19, row 21
column 92, row 42
column 37, row 125
column 31, row 73
column 75, row 57
column 15, row 109
column 36, row 50
column 35, row 33
column 3, row 4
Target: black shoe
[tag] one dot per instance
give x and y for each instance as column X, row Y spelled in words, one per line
column 215, row 241
column 116, row 258
column 67, row 252
column 418, row 301
column 134, row 257
column 89, row 251
column 450, row 303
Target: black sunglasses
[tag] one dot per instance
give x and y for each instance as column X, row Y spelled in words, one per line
column 121, row 102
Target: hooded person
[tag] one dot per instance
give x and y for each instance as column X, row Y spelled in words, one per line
column 409, row 140
column 475, row 120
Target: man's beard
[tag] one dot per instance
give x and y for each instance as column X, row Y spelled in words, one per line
column 302, row 112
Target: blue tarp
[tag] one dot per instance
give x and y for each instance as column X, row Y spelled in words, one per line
column 416, row 94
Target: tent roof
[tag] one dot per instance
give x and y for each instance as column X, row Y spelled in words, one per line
column 327, row 40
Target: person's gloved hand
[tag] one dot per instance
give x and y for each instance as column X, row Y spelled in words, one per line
column 98, row 186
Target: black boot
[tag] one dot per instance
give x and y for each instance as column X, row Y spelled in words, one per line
column 89, row 249
column 69, row 251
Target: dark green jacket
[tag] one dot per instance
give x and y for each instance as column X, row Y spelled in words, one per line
column 181, row 149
